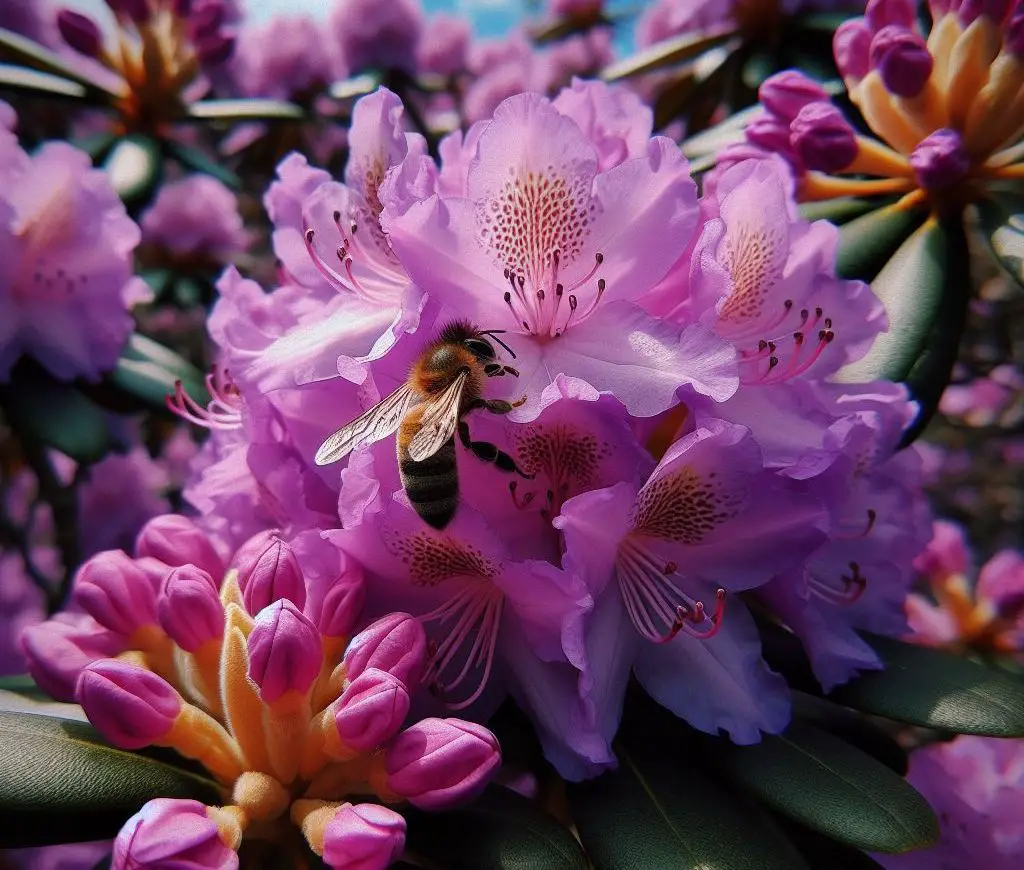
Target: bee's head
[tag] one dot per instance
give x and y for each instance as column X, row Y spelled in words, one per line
column 476, row 341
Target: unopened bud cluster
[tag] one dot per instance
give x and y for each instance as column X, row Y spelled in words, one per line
column 230, row 665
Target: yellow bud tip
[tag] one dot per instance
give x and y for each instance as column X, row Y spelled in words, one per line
column 260, row 796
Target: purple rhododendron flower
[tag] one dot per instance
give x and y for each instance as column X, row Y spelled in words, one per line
column 66, row 282
column 283, row 57
column 195, row 217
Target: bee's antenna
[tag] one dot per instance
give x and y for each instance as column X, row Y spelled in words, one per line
column 493, row 333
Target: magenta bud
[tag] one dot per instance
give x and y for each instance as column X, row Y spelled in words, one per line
column 881, row 13
column 176, row 540
column 130, row 706
column 439, row 762
column 284, row 651
column 940, row 160
column 137, row 10
column 182, row 8
column 215, row 48
column 395, row 643
column 207, row 17
column 267, row 572
column 112, row 589
column 342, row 605
column 771, row 134
column 170, row 834
column 1013, row 31
column 938, row 8
column 371, row 710
column 851, row 48
column 363, row 837
column 786, row 93
column 823, row 138
column 80, row 32
column 57, row 650
column 993, row 10
column 902, row 59
column 190, row 608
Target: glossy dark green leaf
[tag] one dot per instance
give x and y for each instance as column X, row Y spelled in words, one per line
column 841, row 210
column 22, row 684
column 357, row 86
column 824, row 853
column 911, row 286
column 667, row 53
column 244, row 110
column 937, row 689
column 38, row 84
column 60, row 784
column 659, row 810
column 56, row 413
column 135, row 166
column 96, row 145
column 21, row 50
column 500, row 830
column 1001, row 220
column 562, row 28
column 714, row 139
column 830, row 786
column 198, row 160
column 147, row 371
column 867, row 243
column 855, row 728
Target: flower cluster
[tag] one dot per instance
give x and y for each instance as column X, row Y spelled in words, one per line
column 946, row 107
column 250, row 667
column 986, row 615
column 679, row 452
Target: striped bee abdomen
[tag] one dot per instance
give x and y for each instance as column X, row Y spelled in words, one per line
column 432, row 485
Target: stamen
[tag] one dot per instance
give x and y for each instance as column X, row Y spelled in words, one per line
column 476, row 610
column 658, row 609
column 854, row 585
column 861, row 532
column 224, row 410
column 522, row 502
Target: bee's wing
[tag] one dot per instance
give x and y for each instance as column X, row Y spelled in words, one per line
column 381, row 420
column 440, row 417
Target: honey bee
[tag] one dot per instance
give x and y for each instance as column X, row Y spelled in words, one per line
column 444, row 384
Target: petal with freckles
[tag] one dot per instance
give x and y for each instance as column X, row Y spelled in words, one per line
column 720, row 683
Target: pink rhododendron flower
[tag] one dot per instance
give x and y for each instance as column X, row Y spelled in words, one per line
column 66, row 283
column 195, row 217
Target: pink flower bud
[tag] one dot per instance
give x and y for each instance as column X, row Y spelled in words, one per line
column 80, row 32
column 377, row 35
column 823, row 138
column 902, row 59
column 57, row 650
column 771, row 134
column 207, row 17
column 189, row 607
column 267, row 572
column 215, row 49
column 880, row 13
column 284, row 651
column 130, row 706
column 971, row 10
column 169, row 834
column 371, row 710
column 940, row 160
column 945, row 554
column 363, row 837
column 342, row 605
column 395, row 643
column 136, row 10
column 112, row 589
column 851, row 48
column 439, row 762
column 1013, row 31
column 786, row 93
column 176, row 540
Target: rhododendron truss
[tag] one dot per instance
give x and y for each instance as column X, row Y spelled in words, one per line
column 260, row 679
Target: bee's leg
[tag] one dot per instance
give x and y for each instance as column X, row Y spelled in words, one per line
column 485, row 451
column 495, row 406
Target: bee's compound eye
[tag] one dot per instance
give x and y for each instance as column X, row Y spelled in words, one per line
column 480, row 347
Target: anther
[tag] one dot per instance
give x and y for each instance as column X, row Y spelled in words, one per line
column 337, row 216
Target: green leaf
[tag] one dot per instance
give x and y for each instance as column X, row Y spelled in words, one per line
column 197, row 160
column 96, row 145
column 824, row 853
column 357, row 86
column 244, row 110
column 39, row 84
column 60, row 784
column 937, row 689
column 27, row 52
column 867, row 243
column 830, row 786
column 1001, row 219
column 147, row 371
column 500, row 830
column 669, row 52
column 23, row 684
column 135, row 166
column 855, row 728
column 714, row 139
column 658, row 810
column 56, row 413
column 841, row 210
column 912, row 287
